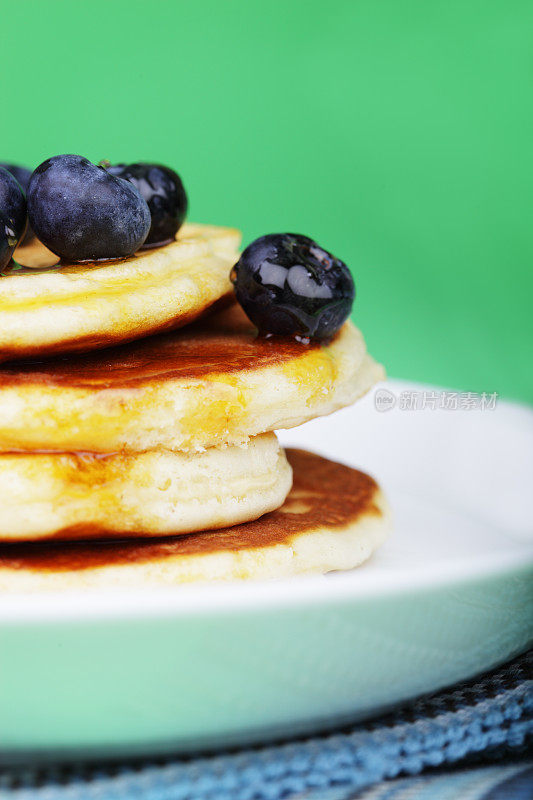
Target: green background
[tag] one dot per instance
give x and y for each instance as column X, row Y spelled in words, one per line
column 398, row 134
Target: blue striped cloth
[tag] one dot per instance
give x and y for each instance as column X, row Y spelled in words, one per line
column 510, row 782
column 431, row 749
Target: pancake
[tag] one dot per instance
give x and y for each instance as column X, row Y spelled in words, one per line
column 213, row 383
column 34, row 255
column 334, row 518
column 83, row 496
column 86, row 306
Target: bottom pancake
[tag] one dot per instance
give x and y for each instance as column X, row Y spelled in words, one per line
column 334, row 518
column 85, row 496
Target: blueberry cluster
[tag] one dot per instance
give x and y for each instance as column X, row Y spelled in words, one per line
column 85, row 212
column 286, row 283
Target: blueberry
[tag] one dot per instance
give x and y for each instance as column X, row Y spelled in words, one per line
column 82, row 213
column 290, row 286
column 163, row 190
column 22, row 175
column 13, row 217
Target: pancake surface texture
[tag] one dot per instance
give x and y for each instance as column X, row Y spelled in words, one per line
column 214, row 382
column 334, row 518
column 81, row 496
column 87, row 306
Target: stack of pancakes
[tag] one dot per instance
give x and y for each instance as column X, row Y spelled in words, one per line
column 137, row 410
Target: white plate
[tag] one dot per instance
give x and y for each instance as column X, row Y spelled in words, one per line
column 450, row 595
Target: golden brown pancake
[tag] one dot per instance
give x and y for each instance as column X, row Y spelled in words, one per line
column 155, row 493
column 212, row 383
column 334, row 518
column 35, row 255
column 70, row 307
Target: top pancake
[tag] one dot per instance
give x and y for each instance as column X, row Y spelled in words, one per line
column 212, row 383
column 80, row 307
